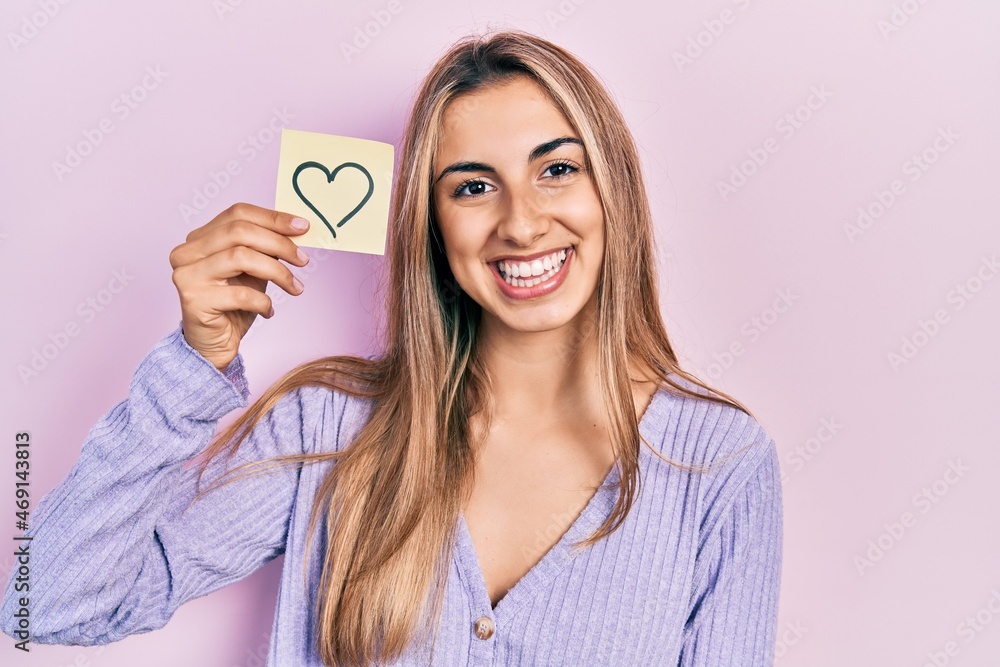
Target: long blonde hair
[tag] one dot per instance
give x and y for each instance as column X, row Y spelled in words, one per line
column 392, row 499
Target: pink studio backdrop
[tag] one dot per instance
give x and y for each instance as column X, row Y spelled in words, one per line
column 824, row 182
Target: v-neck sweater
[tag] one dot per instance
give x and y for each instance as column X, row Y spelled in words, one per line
column 692, row 576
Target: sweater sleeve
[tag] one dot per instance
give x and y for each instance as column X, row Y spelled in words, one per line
column 738, row 577
column 115, row 546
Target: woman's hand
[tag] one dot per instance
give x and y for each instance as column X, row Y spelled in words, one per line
column 221, row 271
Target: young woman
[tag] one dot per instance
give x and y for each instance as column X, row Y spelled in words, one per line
column 436, row 503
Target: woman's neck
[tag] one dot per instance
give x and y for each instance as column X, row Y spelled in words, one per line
column 545, row 372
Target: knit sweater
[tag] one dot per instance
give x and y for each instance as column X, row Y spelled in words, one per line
column 692, row 576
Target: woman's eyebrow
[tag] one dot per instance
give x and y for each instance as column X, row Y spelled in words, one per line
column 538, row 151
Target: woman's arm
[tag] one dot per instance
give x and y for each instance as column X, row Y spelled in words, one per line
column 738, row 577
column 115, row 547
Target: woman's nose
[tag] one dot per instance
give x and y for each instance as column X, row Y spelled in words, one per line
column 525, row 218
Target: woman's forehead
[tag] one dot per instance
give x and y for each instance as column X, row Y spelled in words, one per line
column 520, row 96
column 501, row 118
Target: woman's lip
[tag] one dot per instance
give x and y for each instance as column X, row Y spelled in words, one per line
column 521, row 293
column 528, row 258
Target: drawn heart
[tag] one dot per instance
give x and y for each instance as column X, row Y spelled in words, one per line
column 330, row 175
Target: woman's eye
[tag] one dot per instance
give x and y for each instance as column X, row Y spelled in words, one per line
column 561, row 169
column 475, row 189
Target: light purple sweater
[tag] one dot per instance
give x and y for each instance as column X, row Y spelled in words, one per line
column 691, row 578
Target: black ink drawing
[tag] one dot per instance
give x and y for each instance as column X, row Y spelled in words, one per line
column 330, row 175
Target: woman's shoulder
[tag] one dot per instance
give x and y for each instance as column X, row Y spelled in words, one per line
column 733, row 454
column 703, row 432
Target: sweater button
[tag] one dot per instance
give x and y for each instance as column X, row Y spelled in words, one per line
column 484, row 627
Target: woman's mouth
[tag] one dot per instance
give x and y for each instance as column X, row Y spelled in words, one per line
column 530, row 279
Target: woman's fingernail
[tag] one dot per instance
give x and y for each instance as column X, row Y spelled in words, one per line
column 300, row 223
column 297, row 284
column 301, row 255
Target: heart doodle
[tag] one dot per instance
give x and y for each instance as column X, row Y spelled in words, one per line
column 330, row 175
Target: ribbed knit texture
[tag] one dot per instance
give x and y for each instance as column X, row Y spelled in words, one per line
column 691, row 578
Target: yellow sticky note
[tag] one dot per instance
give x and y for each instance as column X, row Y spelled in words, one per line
column 341, row 185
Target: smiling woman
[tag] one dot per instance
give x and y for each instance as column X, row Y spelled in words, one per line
column 524, row 476
column 533, row 188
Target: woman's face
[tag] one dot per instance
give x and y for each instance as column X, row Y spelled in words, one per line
column 520, row 218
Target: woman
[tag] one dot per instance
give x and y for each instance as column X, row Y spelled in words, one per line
column 436, row 503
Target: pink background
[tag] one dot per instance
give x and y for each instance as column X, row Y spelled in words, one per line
column 859, row 439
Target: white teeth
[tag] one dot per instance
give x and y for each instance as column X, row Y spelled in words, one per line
column 524, row 274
